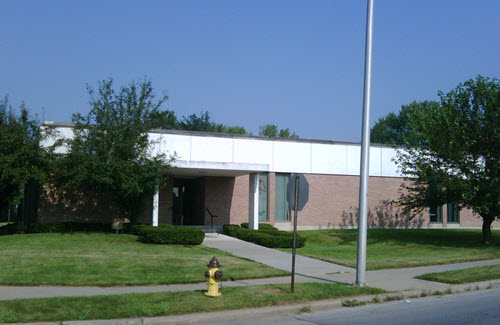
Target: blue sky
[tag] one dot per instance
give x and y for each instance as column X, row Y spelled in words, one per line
column 298, row 64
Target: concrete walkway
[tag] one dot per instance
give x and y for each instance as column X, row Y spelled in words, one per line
column 304, row 266
column 307, row 270
column 312, row 270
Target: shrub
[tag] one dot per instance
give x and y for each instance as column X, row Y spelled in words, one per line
column 230, row 230
column 135, row 229
column 262, row 226
column 60, row 227
column 47, row 227
column 11, row 229
column 170, row 235
column 69, row 227
column 268, row 236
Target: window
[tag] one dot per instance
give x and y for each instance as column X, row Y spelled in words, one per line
column 436, row 213
column 263, row 197
column 453, row 213
column 282, row 211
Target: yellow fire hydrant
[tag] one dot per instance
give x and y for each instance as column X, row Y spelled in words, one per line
column 214, row 275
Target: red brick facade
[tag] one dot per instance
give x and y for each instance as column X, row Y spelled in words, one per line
column 333, row 201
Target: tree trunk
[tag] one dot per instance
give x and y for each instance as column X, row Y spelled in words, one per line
column 487, row 221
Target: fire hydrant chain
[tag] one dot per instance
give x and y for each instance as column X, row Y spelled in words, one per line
column 213, row 276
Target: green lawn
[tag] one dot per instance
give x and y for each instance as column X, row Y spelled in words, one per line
column 400, row 248
column 473, row 274
column 106, row 259
column 169, row 303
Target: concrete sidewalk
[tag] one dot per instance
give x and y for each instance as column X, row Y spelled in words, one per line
column 305, row 266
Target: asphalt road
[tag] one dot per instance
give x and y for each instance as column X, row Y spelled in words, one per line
column 478, row 307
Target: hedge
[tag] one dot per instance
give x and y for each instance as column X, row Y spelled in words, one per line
column 70, row 227
column 137, row 228
column 272, row 238
column 60, row 227
column 262, row 226
column 169, row 235
column 11, row 229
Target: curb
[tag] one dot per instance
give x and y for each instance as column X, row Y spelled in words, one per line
column 286, row 310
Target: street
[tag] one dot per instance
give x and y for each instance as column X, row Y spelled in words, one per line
column 478, row 307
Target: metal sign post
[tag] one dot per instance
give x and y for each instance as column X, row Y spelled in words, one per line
column 296, row 201
column 297, row 194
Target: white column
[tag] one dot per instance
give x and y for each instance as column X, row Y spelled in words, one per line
column 253, row 213
column 156, row 205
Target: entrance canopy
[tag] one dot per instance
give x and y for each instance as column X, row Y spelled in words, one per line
column 194, row 169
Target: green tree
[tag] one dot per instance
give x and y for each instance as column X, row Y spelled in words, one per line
column 22, row 161
column 396, row 129
column 456, row 155
column 268, row 130
column 271, row 131
column 109, row 153
column 235, row 130
column 205, row 123
column 163, row 120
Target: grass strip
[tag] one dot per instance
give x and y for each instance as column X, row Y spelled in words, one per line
column 473, row 274
column 400, row 248
column 170, row 303
column 106, row 259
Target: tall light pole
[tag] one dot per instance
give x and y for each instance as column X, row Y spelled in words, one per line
column 365, row 152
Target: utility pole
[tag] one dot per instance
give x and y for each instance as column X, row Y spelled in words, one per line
column 365, row 152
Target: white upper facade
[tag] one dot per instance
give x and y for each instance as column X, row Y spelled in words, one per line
column 199, row 153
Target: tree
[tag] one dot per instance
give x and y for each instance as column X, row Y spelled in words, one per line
column 22, row 161
column 271, row 131
column 163, row 120
column 204, row 123
column 109, row 153
column 456, row 155
column 395, row 129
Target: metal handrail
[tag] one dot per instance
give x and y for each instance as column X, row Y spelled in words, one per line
column 212, row 216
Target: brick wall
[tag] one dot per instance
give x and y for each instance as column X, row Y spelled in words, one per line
column 240, row 199
column 333, row 202
column 219, row 198
column 165, row 204
column 57, row 206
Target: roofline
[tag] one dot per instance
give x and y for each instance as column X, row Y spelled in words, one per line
column 237, row 136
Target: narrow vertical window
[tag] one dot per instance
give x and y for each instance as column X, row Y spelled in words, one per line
column 282, row 211
column 263, row 196
column 453, row 214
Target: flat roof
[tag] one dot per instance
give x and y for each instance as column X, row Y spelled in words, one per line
column 237, row 136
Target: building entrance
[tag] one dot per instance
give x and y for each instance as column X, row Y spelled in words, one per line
column 188, row 202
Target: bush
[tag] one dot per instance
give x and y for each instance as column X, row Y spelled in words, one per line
column 262, row 226
column 135, row 229
column 230, row 230
column 11, row 229
column 169, row 235
column 60, row 227
column 69, row 227
column 268, row 236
